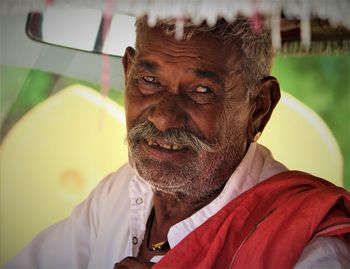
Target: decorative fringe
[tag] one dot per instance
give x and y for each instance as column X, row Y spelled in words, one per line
column 316, row 47
column 336, row 12
column 305, row 26
column 276, row 29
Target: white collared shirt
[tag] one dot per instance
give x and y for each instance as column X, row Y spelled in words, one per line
column 111, row 223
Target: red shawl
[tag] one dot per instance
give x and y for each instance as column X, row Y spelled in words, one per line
column 268, row 226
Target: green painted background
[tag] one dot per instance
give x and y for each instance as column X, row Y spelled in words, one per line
column 323, row 83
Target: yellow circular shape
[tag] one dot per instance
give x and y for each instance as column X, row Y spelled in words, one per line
column 53, row 157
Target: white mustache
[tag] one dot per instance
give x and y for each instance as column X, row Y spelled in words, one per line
column 179, row 137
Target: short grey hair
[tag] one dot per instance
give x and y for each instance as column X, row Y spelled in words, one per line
column 256, row 46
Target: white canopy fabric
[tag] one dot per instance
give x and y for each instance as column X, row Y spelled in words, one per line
column 334, row 12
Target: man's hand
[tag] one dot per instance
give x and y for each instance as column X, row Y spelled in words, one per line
column 133, row 263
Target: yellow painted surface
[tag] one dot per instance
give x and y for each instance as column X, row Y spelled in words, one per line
column 300, row 139
column 53, row 157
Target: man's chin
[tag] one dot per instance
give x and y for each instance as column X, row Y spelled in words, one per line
column 163, row 174
column 185, row 182
column 155, row 169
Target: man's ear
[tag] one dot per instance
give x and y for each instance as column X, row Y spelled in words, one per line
column 127, row 61
column 265, row 99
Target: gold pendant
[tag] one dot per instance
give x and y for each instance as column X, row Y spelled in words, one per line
column 158, row 246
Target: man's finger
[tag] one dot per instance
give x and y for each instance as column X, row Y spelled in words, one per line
column 133, row 263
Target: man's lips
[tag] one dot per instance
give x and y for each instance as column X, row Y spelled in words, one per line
column 164, row 144
column 163, row 150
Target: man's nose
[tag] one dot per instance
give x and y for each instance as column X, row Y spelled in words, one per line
column 168, row 113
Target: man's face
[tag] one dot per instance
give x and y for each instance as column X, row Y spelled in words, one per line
column 195, row 87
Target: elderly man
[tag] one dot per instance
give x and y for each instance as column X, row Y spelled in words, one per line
column 199, row 192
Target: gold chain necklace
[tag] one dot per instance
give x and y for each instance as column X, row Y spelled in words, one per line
column 160, row 246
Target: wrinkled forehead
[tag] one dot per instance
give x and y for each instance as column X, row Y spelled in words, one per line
column 200, row 47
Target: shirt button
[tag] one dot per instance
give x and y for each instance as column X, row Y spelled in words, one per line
column 139, row 201
column 135, row 240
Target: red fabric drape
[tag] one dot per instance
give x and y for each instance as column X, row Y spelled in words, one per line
column 266, row 227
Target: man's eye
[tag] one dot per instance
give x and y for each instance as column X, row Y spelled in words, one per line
column 203, row 89
column 202, row 95
column 150, row 79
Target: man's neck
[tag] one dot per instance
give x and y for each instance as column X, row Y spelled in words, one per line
column 170, row 209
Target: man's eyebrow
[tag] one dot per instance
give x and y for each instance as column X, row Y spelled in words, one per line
column 147, row 65
column 208, row 75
